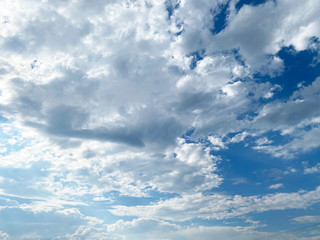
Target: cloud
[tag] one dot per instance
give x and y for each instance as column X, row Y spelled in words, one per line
column 53, row 224
column 303, row 141
column 92, row 169
column 114, row 100
column 217, row 143
column 299, row 110
column 291, row 118
column 237, row 181
column 67, row 96
column 239, row 137
column 314, row 169
column 307, row 219
column 276, row 186
column 89, row 232
column 257, row 42
column 219, row 206
column 7, row 203
column 132, row 83
column 146, row 228
column 4, row 236
column 263, row 141
column 187, row 168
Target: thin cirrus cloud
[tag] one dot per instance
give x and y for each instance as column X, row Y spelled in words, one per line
column 166, row 112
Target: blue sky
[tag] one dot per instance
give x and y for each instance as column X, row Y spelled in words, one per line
column 147, row 119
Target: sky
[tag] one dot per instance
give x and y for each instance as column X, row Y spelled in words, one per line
column 160, row 119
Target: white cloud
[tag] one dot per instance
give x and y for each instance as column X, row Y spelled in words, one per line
column 303, row 141
column 289, row 26
column 236, row 181
column 92, row 169
column 219, row 206
column 130, row 83
column 239, row 137
column 3, row 150
column 51, row 205
column 263, row 141
column 299, row 110
column 4, row 235
column 187, row 168
column 217, row 143
column 89, row 232
column 144, row 228
column 53, row 224
column 314, row 169
column 307, row 219
column 79, row 93
column 291, row 117
column 276, row 186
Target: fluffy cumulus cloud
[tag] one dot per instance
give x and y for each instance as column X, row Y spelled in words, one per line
column 136, row 119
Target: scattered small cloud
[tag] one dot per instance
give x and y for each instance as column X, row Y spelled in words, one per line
column 236, row 181
column 276, row 186
column 307, row 219
column 311, row 170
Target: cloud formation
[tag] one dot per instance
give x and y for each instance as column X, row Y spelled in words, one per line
column 163, row 111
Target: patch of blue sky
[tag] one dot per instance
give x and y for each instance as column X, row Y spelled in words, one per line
column 220, row 16
column 250, row 115
column 21, row 174
column 188, row 135
column 33, row 64
column 18, row 199
column 311, row 157
column 4, row 119
column 196, row 57
column 189, row 139
column 21, row 182
column 241, row 3
column 153, row 196
column 237, row 56
column 254, row 168
column 171, row 5
column 282, row 220
column 99, row 209
column 272, row 221
column 17, row 222
column 179, row 33
column 11, row 141
column 273, row 135
column 250, row 173
column 299, row 70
